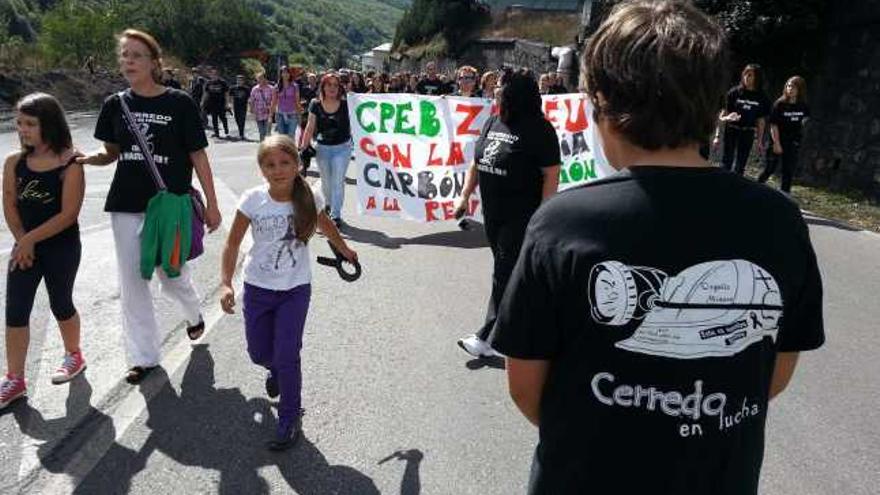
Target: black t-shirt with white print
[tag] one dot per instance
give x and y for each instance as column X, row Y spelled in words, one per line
column 509, row 162
column 661, row 311
column 215, row 92
column 433, row 87
column 172, row 125
column 750, row 105
column 789, row 118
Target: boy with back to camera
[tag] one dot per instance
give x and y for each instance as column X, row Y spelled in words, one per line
column 648, row 322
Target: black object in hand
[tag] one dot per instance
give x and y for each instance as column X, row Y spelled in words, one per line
column 338, row 262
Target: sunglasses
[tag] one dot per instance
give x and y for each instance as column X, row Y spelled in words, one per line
column 467, row 78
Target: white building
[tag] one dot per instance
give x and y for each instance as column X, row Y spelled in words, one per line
column 376, row 58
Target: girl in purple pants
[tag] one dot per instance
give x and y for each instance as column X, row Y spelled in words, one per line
column 282, row 214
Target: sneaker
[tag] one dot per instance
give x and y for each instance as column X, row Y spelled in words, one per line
column 272, row 385
column 477, row 347
column 11, row 389
column 72, row 365
column 286, row 436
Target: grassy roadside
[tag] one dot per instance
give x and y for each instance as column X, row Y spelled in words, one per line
column 850, row 208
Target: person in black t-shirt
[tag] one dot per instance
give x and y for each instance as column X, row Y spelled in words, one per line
column 214, row 100
column 744, row 112
column 432, row 85
column 171, row 125
column 240, row 94
column 787, row 119
column 169, row 80
column 197, row 91
column 516, row 163
column 647, row 324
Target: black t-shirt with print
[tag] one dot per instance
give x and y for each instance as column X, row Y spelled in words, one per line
column 750, row 105
column 789, row 118
column 433, row 87
column 331, row 128
column 661, row 310
column 172, row 124
column 240, row 94
column 509, row 161
column 215, row 92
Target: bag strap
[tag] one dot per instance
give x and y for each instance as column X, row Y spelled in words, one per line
column 141, row 142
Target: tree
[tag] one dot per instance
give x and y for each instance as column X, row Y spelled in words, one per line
column 455, row 21
column 77, row 30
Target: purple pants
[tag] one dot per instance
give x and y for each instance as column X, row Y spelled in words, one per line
column 274, row 321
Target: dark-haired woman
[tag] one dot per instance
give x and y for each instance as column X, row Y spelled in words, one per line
column 329, row 124
column 42, row 194
column 744, row 112
column 286, row 105
column 170, row 122
column 787, row 119
column 516, row 164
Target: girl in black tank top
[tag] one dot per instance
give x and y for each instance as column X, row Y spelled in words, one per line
column 39, row 196
column 43, row 190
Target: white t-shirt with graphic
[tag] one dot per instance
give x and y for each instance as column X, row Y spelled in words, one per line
column 277, row 260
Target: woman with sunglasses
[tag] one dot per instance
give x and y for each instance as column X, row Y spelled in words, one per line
column 467, row 81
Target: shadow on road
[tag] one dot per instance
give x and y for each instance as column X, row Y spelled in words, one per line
column 474, row 238
column 69, row 441
column 221, row 430
column 486, row 362
column 411, row 483
column 825, row 222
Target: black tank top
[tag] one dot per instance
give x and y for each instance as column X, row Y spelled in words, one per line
column 38, row 197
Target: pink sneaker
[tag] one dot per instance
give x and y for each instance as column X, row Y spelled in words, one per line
column 73, row 365
column 11, row 389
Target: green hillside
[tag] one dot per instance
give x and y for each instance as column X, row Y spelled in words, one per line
column 319, row 32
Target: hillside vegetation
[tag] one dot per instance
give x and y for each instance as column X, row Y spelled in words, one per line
column 51, row 33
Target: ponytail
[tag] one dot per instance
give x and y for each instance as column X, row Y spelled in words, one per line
column 306, row 214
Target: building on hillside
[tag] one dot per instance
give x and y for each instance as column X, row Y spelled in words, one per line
column 377, row 58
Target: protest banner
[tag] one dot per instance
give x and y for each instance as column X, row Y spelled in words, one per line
column 412, row 152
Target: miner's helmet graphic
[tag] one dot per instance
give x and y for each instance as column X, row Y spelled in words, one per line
column 715, row 308
column 621, row 293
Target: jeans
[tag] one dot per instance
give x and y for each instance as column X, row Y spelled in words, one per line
column 737, row 140
column 240, row 113
column 333, row 162
column 263, row 129
column 274, row 322
column 286, row 123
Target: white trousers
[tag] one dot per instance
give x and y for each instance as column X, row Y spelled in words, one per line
column 141, row 332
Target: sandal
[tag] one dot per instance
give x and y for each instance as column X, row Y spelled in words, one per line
column 196, row 331
column 137, row 374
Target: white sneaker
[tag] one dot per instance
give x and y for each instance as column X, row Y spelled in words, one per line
column 477, row 347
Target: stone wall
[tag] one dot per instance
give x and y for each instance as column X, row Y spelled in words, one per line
column 842, row 141
column 488, row 54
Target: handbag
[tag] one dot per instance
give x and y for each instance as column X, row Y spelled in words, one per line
column 197, row 229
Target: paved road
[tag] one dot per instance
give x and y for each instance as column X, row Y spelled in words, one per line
column 382, row 375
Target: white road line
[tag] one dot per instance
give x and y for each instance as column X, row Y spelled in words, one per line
column 124, row 412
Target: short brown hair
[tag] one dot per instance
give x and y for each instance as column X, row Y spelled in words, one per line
column 152, row 45
column 661, row 66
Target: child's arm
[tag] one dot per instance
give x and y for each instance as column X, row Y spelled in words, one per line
column 230, row 257
column 10, row 209
column 328, row 228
